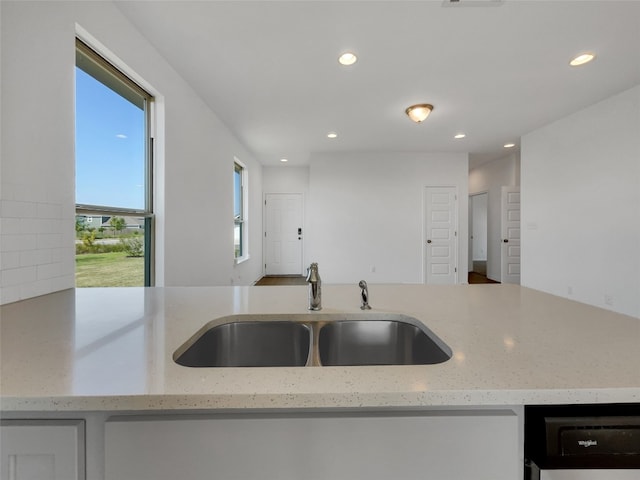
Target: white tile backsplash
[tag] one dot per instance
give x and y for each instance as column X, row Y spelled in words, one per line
column 18, row 209
column 10, row 293
column 10, row 225
column 18, row 276
column 45, row 210
column 36, row 244
column 49, row 270
column 10, row 260
column 37, row 170
column 35, row 257
column 17, row 242
column 49, row 240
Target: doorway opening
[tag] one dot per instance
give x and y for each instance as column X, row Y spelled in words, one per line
column 478, row 238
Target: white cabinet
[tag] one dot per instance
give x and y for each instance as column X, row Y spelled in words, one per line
column 451, row 445
column 42, row 450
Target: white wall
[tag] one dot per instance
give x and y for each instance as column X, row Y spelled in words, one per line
column 37, row 153
column 581, row 205
column 489, row 178
column 366, row 210
column 195, row 160
column 285, row 180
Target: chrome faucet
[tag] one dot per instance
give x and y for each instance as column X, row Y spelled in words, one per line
column 315, row 293
column 365, row 295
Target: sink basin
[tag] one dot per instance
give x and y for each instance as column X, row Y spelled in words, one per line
column 250, row 344
column 379, row 342
column 298, row 340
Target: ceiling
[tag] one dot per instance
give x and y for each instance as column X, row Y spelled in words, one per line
column 493, row 69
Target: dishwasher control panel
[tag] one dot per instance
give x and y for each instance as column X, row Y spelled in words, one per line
column 583, row 436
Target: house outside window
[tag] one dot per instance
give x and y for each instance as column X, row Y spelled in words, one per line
column 240, row 180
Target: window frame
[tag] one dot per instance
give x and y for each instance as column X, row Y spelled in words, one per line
column 114, row 78
column 242, row 221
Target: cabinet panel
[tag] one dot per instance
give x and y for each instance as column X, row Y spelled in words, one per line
column 452, row 446
column 42, row 450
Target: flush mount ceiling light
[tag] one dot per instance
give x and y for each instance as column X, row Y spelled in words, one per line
column 284, row 160
column 419, row 113
column 459, row 135
column 509, row 145
column 332, row 135
column 347, row 58
column 582, row 59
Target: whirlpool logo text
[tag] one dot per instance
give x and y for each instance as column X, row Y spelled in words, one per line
column 588, row 443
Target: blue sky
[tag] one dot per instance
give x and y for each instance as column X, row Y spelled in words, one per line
column 110, row 165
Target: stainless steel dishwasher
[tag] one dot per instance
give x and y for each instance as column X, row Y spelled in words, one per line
column 582, row 442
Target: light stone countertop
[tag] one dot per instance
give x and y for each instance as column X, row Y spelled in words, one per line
column 111, row 350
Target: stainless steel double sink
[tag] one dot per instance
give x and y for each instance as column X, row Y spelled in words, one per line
column 291, row 340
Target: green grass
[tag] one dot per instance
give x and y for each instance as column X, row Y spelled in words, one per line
column 109, row 270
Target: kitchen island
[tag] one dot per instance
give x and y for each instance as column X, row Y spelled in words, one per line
column 112, row 349
column 105, row 356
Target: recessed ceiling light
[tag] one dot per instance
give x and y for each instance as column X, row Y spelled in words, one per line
column 582, row 59
column 284, row 160
column 460, row 135
column 509, row 145
column 332, row 135
column 347, row 58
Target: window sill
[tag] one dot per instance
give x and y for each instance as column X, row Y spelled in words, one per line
column 239, row 260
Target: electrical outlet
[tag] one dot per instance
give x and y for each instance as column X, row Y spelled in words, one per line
column 608, row 299
column 373, row 269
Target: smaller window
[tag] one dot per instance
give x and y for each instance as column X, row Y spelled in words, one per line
column 240, row 212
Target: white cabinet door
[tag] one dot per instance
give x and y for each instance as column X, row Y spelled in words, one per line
column 368, row 447
column 42, row 450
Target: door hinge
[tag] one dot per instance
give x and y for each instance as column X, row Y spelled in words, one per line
column 265, row 234
column 455, row 270
column 455, row 234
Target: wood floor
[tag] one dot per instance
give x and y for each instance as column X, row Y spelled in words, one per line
column 475, row 278
column 282, row 280
column 478, row 274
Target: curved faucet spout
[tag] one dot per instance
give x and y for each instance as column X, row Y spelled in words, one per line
column 315, row 292
column 364, row 293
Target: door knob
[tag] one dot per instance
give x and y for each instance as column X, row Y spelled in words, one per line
column 506, row 240
column 428, row 241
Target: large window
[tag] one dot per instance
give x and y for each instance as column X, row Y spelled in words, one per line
column 114, row 205
column 240, row 211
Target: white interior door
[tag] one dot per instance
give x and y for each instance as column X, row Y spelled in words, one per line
column 283, row 234
column 441, row 236
column 510, row 254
